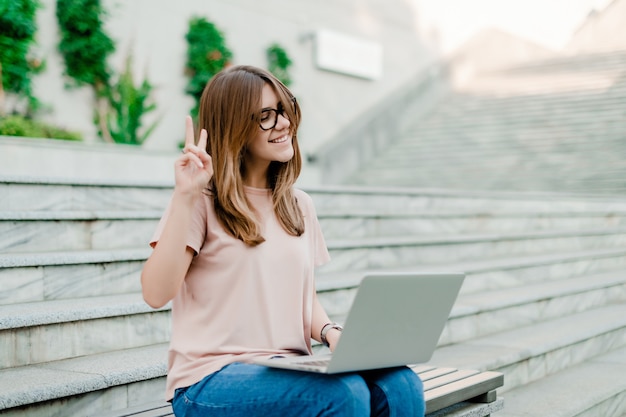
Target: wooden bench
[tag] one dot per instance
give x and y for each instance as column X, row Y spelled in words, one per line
column 448, row 392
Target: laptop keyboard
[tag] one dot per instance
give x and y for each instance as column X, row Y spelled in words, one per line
column 321, row 362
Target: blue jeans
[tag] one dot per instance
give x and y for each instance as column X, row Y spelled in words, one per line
column 253, row 390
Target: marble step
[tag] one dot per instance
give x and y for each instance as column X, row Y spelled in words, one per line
column 363, row 224
column 495, row 274
column 85, row 385
column 41, row 194
column 44, row 277
column 459, row 107
column 526, row 177
column 540, row 135
column 28, row 232
column 65, row 275
column 54, row 330
column 474, row 144
column 41, row 332
column 527, row 354
column 522, row 86
column 602, row 114
column 460, row 102
column 598, row 180
column 479, row 314
column 592, row 389
column 45, row 231
column 398, row 251
column 560, row 160
column 426, row 154
column 31, row 194
column 389, row 198
column 100, row 380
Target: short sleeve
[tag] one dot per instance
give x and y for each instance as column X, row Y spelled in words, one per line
column 197, row 231
column 313, row 229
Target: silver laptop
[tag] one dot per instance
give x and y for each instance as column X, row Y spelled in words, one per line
column 396, row 319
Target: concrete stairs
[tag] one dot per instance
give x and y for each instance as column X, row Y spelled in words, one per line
column 544, row 299
column 553, row 125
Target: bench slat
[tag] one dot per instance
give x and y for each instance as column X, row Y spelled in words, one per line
column 435, row 373
column 462, row 390
column 418, row 369
column 448, row 378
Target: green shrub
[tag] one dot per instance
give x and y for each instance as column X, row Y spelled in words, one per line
column 129, row 103
column 17, row 35
column 207, row 54
column 278, row 63
column 84, row 45
column 22, row 126
column 119, row 105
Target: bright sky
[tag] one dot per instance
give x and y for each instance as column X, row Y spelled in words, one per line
column 548, row 22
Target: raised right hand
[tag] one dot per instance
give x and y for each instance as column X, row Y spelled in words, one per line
column 194, row 168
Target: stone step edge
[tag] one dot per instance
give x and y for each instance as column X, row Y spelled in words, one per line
column 331, row 281
column 37, row 383
column 458, row 108
column 524, row 196
column 461, row 106
column 394, row 241
column 600, row 379
column 494, row 300
column 438, row 149
column 40, row 313
column 16, row 316
column 82, row 182
column 81, row 215
column 15, row 260
column 341, row 213
column 19, row 386
column 497, row 351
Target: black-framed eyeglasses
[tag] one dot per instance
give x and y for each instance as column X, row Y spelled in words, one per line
column 269, row 117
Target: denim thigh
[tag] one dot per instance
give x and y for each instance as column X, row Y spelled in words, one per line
column 252, row 390
column 395, row 392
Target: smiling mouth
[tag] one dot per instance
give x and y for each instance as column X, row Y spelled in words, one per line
column 280, row 139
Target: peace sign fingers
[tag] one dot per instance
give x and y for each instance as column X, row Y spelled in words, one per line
column 199, row 150
column 194, row 166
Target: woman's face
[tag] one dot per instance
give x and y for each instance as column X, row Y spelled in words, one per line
column 274, row 144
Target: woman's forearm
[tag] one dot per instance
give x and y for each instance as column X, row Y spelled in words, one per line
column 319, row 319
column 165, row 269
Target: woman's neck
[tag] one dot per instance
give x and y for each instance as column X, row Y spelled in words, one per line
column 255, row 172
column 256, row 179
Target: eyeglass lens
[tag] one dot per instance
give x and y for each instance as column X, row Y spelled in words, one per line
column 269, row 117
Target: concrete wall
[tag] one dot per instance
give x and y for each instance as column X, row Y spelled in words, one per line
column 153, row 31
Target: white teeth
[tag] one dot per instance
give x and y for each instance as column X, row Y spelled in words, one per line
column 280, row 140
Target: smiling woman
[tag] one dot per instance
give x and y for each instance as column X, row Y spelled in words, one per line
column 236, row 253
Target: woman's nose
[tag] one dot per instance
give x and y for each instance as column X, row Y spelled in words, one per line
column 282, row 122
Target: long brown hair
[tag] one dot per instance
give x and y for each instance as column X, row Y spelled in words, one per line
column 228, row 109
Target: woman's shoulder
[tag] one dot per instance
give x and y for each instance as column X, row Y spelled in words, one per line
column 305, row 201
column 302, row 196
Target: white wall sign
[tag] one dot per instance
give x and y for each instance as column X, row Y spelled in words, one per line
column 347, row 54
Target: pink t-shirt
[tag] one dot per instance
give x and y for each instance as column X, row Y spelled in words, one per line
column 240, row 302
